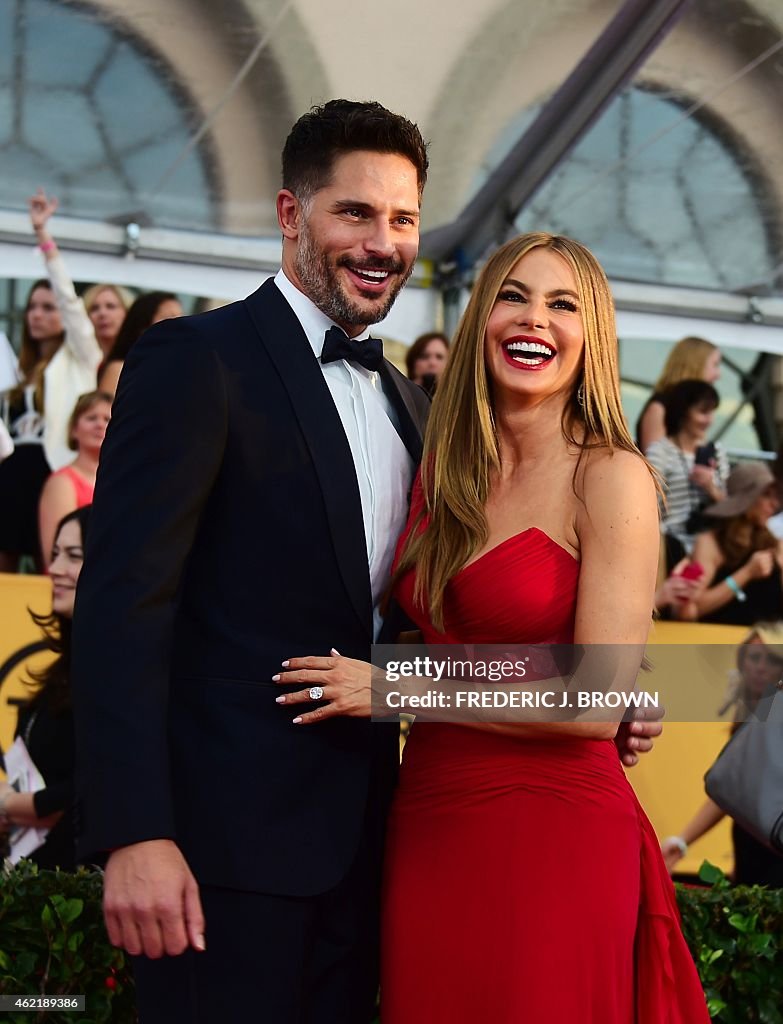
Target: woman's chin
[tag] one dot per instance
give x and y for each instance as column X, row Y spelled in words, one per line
column 63, row 606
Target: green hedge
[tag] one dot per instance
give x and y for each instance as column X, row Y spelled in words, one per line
column 736, row 936
column 52, row 941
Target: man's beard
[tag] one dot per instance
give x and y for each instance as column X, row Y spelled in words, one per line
column 320, row 281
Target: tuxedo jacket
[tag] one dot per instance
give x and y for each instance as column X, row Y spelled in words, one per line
column 227, row 535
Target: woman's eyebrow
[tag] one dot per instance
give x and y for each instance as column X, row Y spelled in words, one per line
column 549, row 295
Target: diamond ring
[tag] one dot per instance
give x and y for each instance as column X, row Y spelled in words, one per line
column 316, row 692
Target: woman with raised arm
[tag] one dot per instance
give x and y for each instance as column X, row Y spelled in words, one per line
column 93, row 321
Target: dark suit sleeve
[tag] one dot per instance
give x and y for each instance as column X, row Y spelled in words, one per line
column 161, row 456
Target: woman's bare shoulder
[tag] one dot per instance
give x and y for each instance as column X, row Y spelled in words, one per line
column 616, row 471
column 617, row 502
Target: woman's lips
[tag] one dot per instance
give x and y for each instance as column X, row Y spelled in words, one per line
column 528, row 353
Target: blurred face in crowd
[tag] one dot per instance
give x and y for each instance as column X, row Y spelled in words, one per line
column 760, row 665
column 432, row 360
column 764, row 506
column 67, row 559
column 712, row 367
column 698, row 421
column 107, row 314
column 90, row 428
column 167, row 310
column 356, row 239
column 43, row 317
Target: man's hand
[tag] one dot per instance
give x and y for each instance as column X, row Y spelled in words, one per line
column 150, row 900
column 637, row 736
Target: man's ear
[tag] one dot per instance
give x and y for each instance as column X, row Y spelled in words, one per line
column 289, row 211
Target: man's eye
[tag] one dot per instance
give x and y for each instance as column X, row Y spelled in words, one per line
column 354, row 212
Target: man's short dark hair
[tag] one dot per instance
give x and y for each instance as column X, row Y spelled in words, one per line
column 345, row 126
column 687, row 395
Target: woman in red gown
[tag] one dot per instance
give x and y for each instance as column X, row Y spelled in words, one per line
column 524, row 884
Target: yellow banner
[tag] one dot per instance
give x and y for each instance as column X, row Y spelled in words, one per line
column 670, row 781
column 21, row 643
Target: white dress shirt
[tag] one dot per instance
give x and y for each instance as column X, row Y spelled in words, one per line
column 384, row 469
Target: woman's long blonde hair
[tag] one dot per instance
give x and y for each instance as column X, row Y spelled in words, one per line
column 686, row 361
column 461, row 445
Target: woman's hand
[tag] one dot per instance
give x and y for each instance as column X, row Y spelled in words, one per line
column 346, row 685
column 41, row 209
column 676, row 590
column 760, row 564
column 705, row 478
column 672, row 853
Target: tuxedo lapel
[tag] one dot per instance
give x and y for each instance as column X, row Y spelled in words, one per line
column 397, row 390
column 301, row 376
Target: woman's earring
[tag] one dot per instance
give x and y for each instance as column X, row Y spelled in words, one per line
column 580, row 394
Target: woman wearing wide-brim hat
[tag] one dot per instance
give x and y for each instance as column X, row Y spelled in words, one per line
column 741, row 558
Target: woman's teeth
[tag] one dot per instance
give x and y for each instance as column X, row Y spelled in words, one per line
column 529, row 353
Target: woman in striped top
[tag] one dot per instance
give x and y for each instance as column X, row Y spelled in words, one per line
column 689, row 484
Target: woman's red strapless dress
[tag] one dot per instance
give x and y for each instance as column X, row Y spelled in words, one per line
column 524, row 883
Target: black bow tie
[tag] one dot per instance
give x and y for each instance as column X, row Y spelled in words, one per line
column 337, row 345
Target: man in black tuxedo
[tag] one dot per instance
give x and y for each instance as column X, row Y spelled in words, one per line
column 251, row 490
